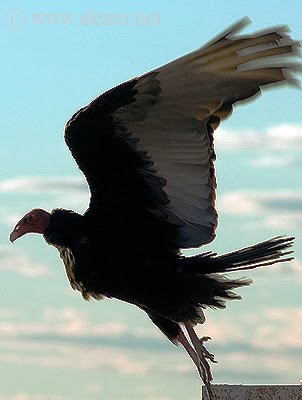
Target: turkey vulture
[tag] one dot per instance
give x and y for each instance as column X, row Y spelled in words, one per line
column 146, row 149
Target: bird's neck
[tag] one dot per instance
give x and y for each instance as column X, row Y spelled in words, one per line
column 64, row 228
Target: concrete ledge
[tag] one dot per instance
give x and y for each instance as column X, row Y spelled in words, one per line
column 263, row 392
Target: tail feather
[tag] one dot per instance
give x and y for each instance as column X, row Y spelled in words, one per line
column 211, row 288
column 259, row 255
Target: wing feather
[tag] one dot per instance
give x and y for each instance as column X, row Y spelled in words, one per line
column 167, row 119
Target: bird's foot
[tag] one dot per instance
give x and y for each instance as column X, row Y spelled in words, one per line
column 200, row 359
column 203, row 356
column 205, row 351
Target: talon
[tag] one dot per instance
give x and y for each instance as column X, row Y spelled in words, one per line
column 205, row 339
column 212, row 358
column 203, row 357
column 208, row 355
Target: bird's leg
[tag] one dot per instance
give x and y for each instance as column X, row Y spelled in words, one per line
column 201, row 351
column 190, row 350
column 203, row 355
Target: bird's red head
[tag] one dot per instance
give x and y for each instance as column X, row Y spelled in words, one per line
column 36, row 221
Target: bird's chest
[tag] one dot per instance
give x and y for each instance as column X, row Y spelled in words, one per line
column 97, row 272
column 78, row 276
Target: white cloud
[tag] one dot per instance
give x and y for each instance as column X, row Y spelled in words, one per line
column 278, row 209
column 57, row 191
column 48, row 343
column 280, row 327
column 270, row 329
column 26, row 396
column 285, row 221
column 8, row 216
column 12, row 259
column 273, row 335
column 66, row 338
column 249, row 201
column 93, row 388
column 296, row 268
column 222, row 331
column 71, row 322
column 123, row 360
column 61, row 326
column 276, row 161
column 240, row 203
column 156, row 398
column 292, row 270
column 267, row 343
column 43, row 185
column 68, row 322
column 286, row 366
column 283, row 137
column 8, row 313
column 236, row 140
column 85, row 358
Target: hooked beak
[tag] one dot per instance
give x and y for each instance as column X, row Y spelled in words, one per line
column 35, row 221
column 16, row 233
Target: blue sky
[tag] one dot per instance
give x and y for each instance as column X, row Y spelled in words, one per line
column 53, row 344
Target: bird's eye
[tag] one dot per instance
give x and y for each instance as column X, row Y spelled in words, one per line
column 29, row 219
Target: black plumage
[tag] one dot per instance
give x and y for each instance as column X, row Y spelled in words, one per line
column 146, row 149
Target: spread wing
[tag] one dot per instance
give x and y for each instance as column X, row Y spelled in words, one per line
column 146, row 146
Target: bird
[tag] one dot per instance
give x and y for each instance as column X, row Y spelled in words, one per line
column 146, row 148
